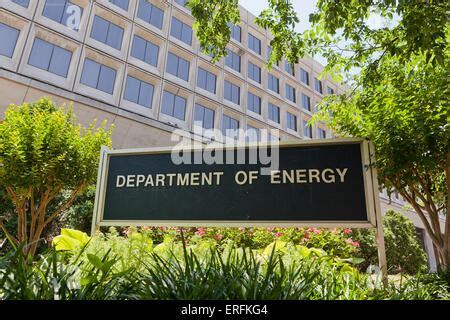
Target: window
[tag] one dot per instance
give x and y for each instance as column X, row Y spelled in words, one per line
column 49, row 57
column 290, row 93
column 150, row 13
column 181, row 31
column 274, row 83
column 145, row 51
column 306, row 102
column 98, row 76
column 233, row 60
column 23, row 3
column 253, row 134
column 289, row 68
column 139, row 92
column 318, row 85
column 177, row 66
column 181, row 2
column 123, row 4
column 59, row 10
column 107, row 32
column 274, row 113
column 304, row 76
column 232, row 92
column 254, row 103
column 9, row 37
column 206, row 80
column 254, row 72
column 269, row 52
column 321, row 134
column 291, row 121
column 307, row 130
column 204, row 116
column 254, row 43
column 173, row 105
column 235, row 31
column 330, row 90
column 230, row 127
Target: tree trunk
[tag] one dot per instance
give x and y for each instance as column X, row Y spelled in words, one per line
column 446, row 258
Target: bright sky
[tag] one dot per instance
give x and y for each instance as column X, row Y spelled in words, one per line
column 302, row 7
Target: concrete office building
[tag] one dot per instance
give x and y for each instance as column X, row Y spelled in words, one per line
column 137, row 64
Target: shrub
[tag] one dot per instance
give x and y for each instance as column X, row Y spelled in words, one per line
column 43, row 153
column 403, row 250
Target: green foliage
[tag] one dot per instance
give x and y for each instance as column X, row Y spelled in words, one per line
column 70, row 240
column 45, row 154
column 211, row 25
column 41, row 147
column 405, row 252
column 79, row 214
column 113, row 267
column 403, row 249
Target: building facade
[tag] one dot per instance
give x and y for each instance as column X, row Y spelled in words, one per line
column 137, row 64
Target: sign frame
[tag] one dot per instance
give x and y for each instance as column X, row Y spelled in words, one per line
column 369, row 179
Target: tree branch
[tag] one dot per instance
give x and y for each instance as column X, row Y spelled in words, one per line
column 65, row 205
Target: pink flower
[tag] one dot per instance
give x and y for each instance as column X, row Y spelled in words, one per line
column 218, row 236
column 317, row 231
column 352, row 243
column 200, row 231
column 241, row 229
column 278, row 234
column 162, row 228
column 348, row 231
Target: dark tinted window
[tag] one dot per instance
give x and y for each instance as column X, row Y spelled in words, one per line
column 235, row 31
column 330, row 90
column 291, row 121
column 321, row 134
column 50, row 57
column 290, row 93
column 304, row 76
column 274, row 113
column 123, row 4
column 145, row 50
column 318, row 85
column 181, row 31
column 204, row 116
column 233, row 60
column 254, row 103
column 139, row 92
column 206, row 80
column 8, row 36
column 150, row 13
column 107, row 32
column 230, row 127
column 173, row 105
column 177, row 66
column 289, row 68
column 307, row 130
column 274, row 83
column 59, row 10
column 98, row 76
column 23, row 3
column 232, row 92
column 254, row 72
column 254, row 43
column 306, row 102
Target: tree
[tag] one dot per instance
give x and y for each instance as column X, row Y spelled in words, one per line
column 403, row 250
column 405, row 113
column 406, row 118
column 43, row 153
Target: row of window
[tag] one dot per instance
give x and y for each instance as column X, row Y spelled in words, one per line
column 56, row 60
column 112, row 35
